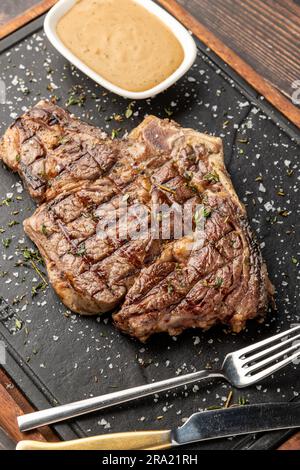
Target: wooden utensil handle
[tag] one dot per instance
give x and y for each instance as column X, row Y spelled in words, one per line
column 141, row 440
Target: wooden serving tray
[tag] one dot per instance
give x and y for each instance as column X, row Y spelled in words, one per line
column 43, row 387
column 12, row 20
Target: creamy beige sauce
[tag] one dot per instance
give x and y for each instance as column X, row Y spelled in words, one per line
column 122, row 42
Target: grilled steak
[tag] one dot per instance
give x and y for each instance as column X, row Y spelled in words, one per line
column 86, row 228
column 92, row 274
column 222, row 280
column 52, row 151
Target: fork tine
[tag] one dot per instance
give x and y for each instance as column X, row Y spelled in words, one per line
column 267, row 341
column 273, row 358
column 267, row 351
column 272, row 369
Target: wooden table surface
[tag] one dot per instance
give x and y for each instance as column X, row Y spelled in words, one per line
column 265, row 33
column 260, row 39
column 9, row 9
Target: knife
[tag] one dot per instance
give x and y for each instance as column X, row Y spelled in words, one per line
column 201, row 426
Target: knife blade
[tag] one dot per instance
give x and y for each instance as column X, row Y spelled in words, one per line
column 236, row 421
column 199, row 427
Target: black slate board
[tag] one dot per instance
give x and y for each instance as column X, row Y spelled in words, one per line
column 56, row 358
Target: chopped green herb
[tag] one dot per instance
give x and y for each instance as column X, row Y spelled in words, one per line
column 129, row 110
column 115, row 133
column 272, row 220
column 243, row 401
column 199, row 214
column 18, row 324
column 170, row 288
column 12, row 223
column 35, row 289
column 128, row 113
column 18, row 157
column 76, row 100
column 206, row 212
column 6, row 201
column 29, row 255
column 294, row 260
column 44, row 230
column 81, row 250
column 6, row 242
column 168, row 111
column 212, row 177
column 219, row 282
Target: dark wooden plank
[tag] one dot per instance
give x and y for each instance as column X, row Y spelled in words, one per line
column 10, row 9
column 265, row 33
column 6, row 443
column 259, row 83
column 292, row 444
column 13, row 404
column 14, row 15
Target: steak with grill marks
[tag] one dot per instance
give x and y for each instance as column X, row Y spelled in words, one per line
column 224, row 279
column 156, row 284
column 52, row 151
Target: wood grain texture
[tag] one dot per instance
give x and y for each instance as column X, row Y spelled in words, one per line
column 265, row 33
column 292, row 444
column 6, row 443
column 13, row 404
column 136, row 440
column 9, row 9
column 260, row 84
column 10, row 20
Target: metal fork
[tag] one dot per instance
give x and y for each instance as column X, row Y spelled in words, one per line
column 240, row 368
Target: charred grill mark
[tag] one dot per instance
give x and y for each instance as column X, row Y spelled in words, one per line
column 159, row 162
column 31, row 180
column 89, row 262
column 175, row 267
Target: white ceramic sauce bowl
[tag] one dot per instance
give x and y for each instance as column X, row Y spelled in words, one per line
column 183, row 36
